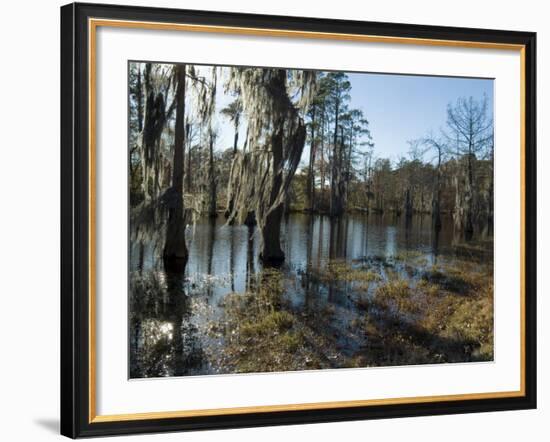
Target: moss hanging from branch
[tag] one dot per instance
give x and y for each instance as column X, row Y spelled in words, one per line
column 274, row 102
column 203, row 88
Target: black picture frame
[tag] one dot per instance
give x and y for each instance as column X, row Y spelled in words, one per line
column 75, row 220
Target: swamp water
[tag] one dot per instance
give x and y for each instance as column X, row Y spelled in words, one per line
column 355, row 292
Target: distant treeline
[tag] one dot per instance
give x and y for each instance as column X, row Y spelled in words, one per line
column 386, row 188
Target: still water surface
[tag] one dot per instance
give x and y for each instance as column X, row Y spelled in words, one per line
column 171, row 328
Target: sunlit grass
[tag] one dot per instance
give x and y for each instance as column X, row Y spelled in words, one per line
column 261, row 333
column 443, row 314
column 342, row 271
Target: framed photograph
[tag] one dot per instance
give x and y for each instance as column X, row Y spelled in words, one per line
column 279, row 220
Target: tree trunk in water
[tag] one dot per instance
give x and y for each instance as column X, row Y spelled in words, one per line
column 175, row 250
column 342, row 161
column 311, row 177
column 261, row 178
column 408, row 205
column 230, row 194
column 270, row 226
column 436, row 212
column 230, row 191
column 212, row 203
column 271, row 252
column 188, row 142
column 286, row 205
column 347, row 175
column 335, row 209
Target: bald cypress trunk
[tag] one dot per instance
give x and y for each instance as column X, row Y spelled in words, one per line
column 408, row 204
column 188, row 135
column 212, row 203
column 175, row 250
column 261, row 175
column 270, row 225
column 311, row 176
column 322, row 163
column 154, row 121
column 335, row 173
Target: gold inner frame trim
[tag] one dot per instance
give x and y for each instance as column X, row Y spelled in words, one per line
column 93, row 24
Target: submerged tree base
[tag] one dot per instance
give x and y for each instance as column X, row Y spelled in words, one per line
column 273, row 260
column 175, row 264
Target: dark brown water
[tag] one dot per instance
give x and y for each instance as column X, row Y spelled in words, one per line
column 173, row 317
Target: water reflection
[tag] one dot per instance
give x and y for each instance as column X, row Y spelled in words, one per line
column 174, row 316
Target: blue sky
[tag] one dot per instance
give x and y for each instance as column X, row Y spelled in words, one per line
column 399, row 108
column 405, row 107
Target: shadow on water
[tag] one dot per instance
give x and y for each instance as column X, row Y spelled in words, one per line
column 360, row 290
